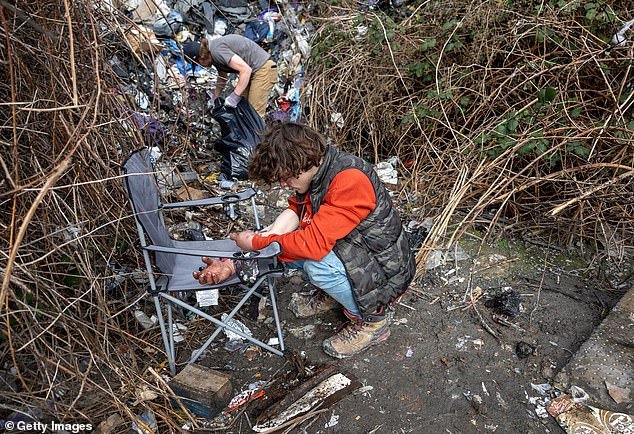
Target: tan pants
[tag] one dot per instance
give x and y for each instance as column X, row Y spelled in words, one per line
column 259, row 88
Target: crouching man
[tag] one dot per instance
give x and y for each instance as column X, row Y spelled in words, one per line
column 341, row 229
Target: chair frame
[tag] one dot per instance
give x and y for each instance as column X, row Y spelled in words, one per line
column 158, row 291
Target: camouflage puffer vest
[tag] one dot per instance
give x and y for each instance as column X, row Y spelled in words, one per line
column 376, row 254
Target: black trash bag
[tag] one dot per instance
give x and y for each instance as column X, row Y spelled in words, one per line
column 506, row 303
column 240, row 128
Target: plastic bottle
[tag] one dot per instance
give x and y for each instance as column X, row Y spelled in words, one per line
column 145, row 321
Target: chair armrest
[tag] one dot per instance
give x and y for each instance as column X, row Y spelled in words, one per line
column 217, row 200
column 269, row 251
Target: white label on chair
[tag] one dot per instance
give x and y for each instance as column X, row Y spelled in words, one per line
column 207, row 298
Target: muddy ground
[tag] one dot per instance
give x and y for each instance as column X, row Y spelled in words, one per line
column 425, row 377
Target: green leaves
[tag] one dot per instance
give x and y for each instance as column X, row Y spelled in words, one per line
column 420, row 70
column 579, row 149
column 420, row 111
column 427, row 44
column 547, row 95
column 591, row 10
column 449, row 25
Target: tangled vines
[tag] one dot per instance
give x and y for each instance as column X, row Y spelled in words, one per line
column 66, row 343
column 525, row 113
column 528, row 114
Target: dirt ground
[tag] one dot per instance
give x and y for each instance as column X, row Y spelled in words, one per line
column 442, row 371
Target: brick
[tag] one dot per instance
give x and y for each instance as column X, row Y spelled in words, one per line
column 202, row 390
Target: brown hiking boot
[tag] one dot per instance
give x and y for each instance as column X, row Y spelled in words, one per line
column 305, row 305
column 356, row 336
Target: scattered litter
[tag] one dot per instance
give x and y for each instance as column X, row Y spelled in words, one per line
column 207, row 298
column 524, row 349
column 362, row 390
column 155, row 154
column 179, row 330
column 576, row 417
column 471, row 299
column 147, row 419
column 410, row 352
column 620, row 395
column 304, row 332
column 188, row 231
column 144, row 393
column 441, row 256
column 478, row 404
column 539, row 402
column 248, row 271
column 542, row 389
column 252, row 393
column 189, row 193
column 71, row 233
column 320, row 391
column 578, row 394
column 505, row 303
column 168, row 178
column 386, row 171
column 497, row 258
column 337, row 119
column 505, row 321
column 501, row 401
column 418, row 231
column 234, row 345
column 145, row 321
column 540, row 411
column 236, row 324
column 461, row 345
column 334, row 420
column 400, row 303
column 619, row 37
column 273, row 341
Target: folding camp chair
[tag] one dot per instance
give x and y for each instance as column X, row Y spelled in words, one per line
column 177, row 259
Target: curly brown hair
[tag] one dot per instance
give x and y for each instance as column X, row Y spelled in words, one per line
column 286, row 150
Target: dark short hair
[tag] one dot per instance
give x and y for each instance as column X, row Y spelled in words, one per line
column 190, row 50
column 286, row 150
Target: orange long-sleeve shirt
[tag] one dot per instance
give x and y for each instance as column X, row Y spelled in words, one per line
column 350, row 198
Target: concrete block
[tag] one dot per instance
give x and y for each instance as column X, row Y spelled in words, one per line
column 202, row 390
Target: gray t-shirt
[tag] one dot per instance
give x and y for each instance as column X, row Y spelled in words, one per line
column 224, row 48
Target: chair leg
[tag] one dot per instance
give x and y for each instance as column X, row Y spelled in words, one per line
column 170, row 332
column 221, row 325
column 168, row 342
column 255, row 303
column 272, row 288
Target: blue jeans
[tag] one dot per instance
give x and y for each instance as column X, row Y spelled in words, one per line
column 330, row 275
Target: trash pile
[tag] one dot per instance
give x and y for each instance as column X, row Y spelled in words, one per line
column 165, row 97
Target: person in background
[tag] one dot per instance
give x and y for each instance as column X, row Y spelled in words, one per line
column 340, row 228
column 257, row 73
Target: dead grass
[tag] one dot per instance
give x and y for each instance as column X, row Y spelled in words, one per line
column 528, row 113
column 63, row 215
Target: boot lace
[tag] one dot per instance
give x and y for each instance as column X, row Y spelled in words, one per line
column 350, row 331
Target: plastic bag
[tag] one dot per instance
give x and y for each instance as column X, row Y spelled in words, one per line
column 168, row 26
column 240, row 128
column 153, row 133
